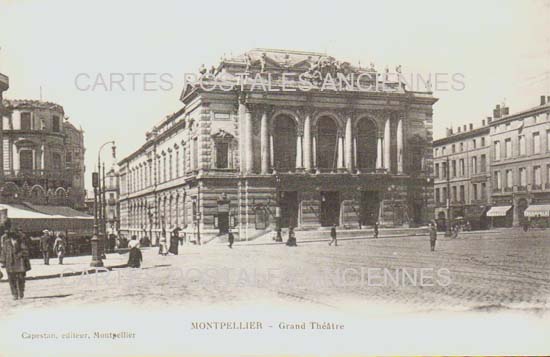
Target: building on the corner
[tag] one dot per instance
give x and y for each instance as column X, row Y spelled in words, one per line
column 250, row 157
column 520, row 165
column 42, row 155
column 462, row 185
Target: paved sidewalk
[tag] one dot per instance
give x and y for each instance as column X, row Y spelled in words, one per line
column 71, row 266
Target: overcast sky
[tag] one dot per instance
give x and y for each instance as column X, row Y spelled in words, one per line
column 502, row 48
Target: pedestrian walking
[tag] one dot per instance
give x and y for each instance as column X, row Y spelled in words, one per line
column 45, row 246
column 163, row 245
column 333, row 236
column 291, row 241
column 59, row 247
column 15, row 259
column 230, row 238
column 174, row 241
column 456, row 229
column 376, row 229
column 135, row 257
column 433, row 236
column 525, row 225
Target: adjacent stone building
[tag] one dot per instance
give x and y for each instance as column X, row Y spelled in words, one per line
column 462, row 185
column 259, row 150
column 520, row 165
column 42, row 155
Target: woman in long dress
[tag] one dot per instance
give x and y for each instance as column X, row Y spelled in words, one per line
column 135, row 257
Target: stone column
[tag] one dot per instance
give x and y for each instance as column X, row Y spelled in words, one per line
column 271, row 153
column 307, row 143
column 248, row 143
column 264, row 143
column 314, row 150
column 299, row 163
column 387, row 145
column 340, row 164
column 379, row 154
column 242, row 151
column 400, row 146
column 348, row 150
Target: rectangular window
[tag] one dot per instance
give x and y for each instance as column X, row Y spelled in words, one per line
column 483, row 163
column 474, row 144
column 536, row 176
column 523, row 176
column 474, row 189
column 483, row 190
column 453, row 149
column 454, row 194
column 56, row 161
column 522, row 146
column 461, row 147
column 474, row 165
column 508, row 148
column 444, row 170
column 55, row 124
column 69, row 157
column 462, row 168
column 547, row 140
column 164, row 169
column 497, row 150
column 444, row 194
column 498, row 180
column 454, row 168
column 482, row 141
column 462, row 194
column 170, row 167
column 436, row 152
column 177, row 163
column 222, row 151
column 509, row 179
column 437, row 196
column 436, row 171
column 25, row 160
column 536, row 143
column 25, row 121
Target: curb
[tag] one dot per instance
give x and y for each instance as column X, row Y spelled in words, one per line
column 73, row 273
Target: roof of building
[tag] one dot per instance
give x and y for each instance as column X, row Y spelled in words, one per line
column 31, row 104
column 522, row 114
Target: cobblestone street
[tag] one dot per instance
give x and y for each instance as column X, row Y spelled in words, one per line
column 510, row 270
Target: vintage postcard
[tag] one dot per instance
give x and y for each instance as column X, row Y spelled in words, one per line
column 285, row 178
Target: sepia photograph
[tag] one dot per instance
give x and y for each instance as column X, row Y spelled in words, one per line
column 289, row 178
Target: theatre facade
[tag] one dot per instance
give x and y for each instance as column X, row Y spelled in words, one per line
column 264, row 140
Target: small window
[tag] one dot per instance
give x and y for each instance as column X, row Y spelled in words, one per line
column 25, row 121
column 56, row 161
column 69, row 157
column 56, row 124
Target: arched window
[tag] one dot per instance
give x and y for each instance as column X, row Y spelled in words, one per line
column 366, row 144
column 284, row 143
column 327, row 143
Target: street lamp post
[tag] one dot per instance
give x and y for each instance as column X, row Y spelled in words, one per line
column 101, row 215
column 96, row 255
column 279, row 237
column 448, row 223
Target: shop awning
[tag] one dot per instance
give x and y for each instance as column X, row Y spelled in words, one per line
column 537, row 211
column 498, row 211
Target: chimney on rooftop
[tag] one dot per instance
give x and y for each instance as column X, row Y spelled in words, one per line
column 449, row 131
column 542, row 100
column 471, row 126
column 489, row 120
column 458, row 129
column 483, row 122
column 465, row 128
column 496, row 112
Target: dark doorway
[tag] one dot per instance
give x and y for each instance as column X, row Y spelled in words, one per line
column 289, row 209
column 370, row 207
column 330, row 208
column 223, row 222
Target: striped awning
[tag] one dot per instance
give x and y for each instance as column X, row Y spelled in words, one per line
column 537, row 211
column 498, row 211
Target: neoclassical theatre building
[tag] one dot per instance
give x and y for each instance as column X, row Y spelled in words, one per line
column 265, row 140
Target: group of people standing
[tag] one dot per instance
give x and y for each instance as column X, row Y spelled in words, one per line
column 48, row 243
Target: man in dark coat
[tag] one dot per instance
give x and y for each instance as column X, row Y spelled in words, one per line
column 433, row 236
column 45, row 246
column 376, row 229
column 174, row 240
column 15, row 258
column 333, row 236
column 291, row 241
column 230, row 238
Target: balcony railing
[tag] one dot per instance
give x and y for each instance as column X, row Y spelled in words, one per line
column 536, row 187
column 547, row 186
column 522, row 188
column 37, row 174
